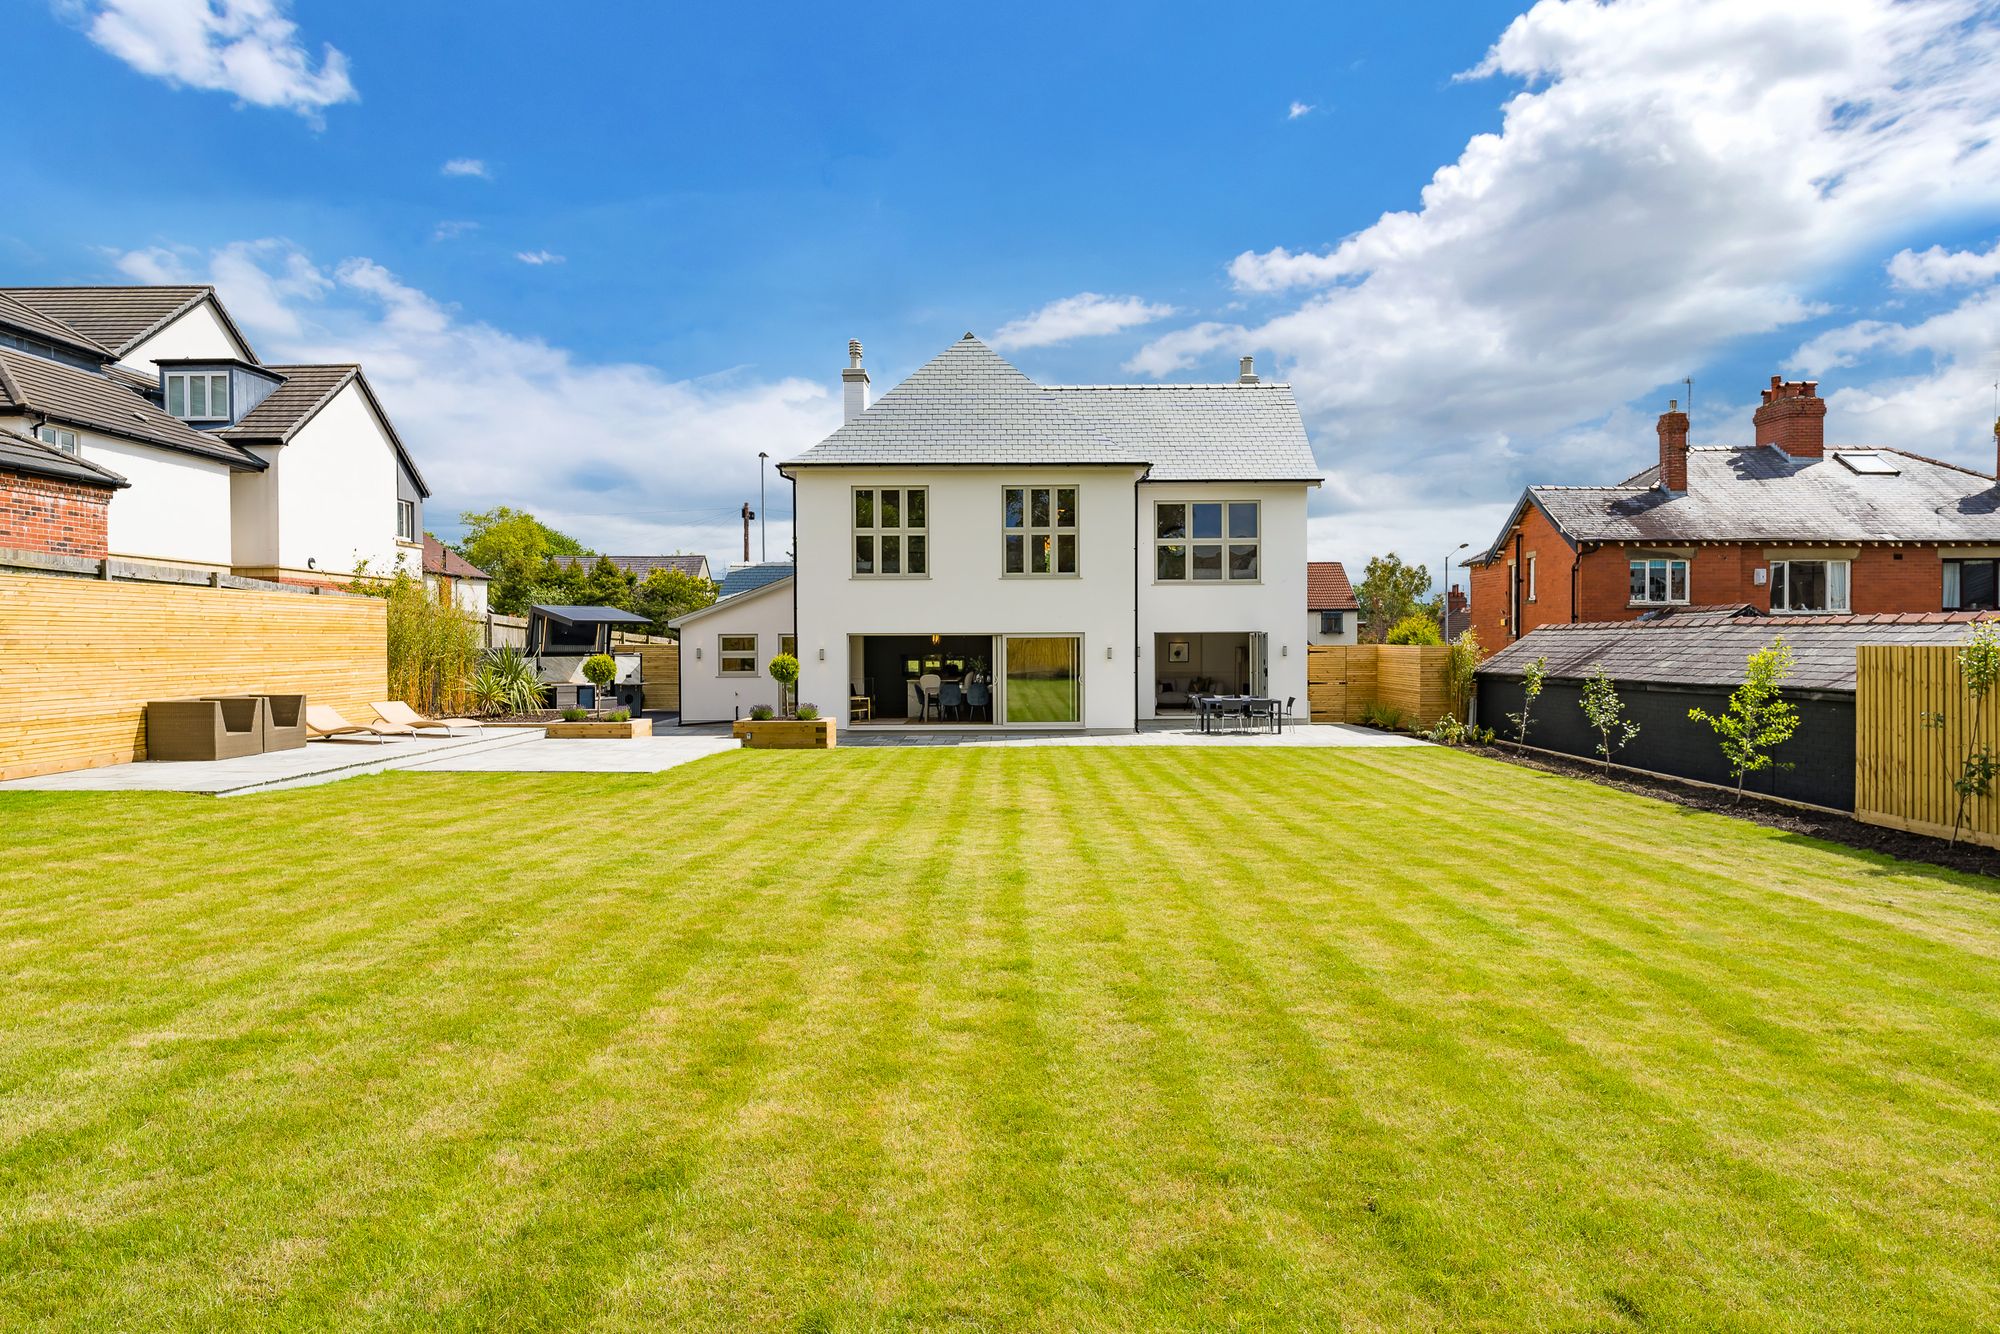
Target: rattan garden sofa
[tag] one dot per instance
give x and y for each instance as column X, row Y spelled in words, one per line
column 205, row 729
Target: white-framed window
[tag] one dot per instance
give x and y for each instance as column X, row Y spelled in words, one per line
column 406, row 520
column 1659, row 583
column 891, row 532
column 61, row 437
column 1809, row 585
column 1971, row 585
column 1208, row 541
column 736, row 655
column 1531, row 578
column 198, row 396
column 1038, row 531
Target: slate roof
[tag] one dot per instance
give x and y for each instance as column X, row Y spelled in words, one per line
column 1201, row 432
column 306, row 390
column 19, row 315
column 441, row 559
column 1327, row 588
column 94, row 400
column 641, row 566
column 748, row 578
column 119, row 318
column 25, row 454
column 1762, row 494
column 1711, row 650
column 968, row 406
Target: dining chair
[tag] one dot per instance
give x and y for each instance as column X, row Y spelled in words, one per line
column 860, row 707
column 927, row 689
column 951, row 699
column 979, row 699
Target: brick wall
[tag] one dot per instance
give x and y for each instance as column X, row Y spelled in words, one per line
column 61, row 518
column 1534, row 536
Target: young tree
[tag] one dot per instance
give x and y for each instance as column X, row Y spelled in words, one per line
column 665, row 594
column 607, row 586
column 1758, row 720
column 1460, row 669
column 785, row 671
column 600, row 669
column 516, row 549
column 1389, row 591
column 1533, row 677
column 1606, row 714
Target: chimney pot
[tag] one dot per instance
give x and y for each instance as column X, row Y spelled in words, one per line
column 853, row 384
column 1247, row 371
column 1793, row 418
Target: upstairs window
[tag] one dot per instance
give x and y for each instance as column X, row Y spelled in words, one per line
column 1208, row 541
column 1659, row 583
column 60, row 437
column 198, row 396
column 891, row 532
column 406, row 521
column 1038, row 530
column 1971, row 585
column 1332, row 622
column 1809, row 585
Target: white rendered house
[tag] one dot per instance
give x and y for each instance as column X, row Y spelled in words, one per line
column 292, row 473
column 1058, row 556
column 726, row 647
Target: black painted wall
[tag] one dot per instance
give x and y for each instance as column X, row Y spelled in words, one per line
column 1821, row 751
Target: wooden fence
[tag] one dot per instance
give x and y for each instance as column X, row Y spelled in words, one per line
column 79, row 658
column 1903, row 770
column 1342, row 680
column 659, row 668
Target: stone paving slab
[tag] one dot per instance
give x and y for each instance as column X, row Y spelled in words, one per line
column 315, row 762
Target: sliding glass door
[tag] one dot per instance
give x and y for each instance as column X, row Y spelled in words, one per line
column 1044, row 682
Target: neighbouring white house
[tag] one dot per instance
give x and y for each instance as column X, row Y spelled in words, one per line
column 285, row 472
column 447, row 572
column 1333, row 615
column 726, row 647
column 1049, row 556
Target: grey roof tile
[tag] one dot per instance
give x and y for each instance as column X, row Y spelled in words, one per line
column 94, row 400
column 641, row 566
column 1761, row 494
column 968, row 406
column 746, row 578
column 1712, row 651
column 305, row 391
column 118, row 317
column 19, row 315
column 24, row 454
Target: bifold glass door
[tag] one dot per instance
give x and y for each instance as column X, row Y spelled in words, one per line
column 1044, row 681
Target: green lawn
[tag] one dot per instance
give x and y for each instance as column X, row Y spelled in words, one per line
column 987, row 1039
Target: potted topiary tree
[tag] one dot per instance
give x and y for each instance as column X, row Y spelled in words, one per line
column 802, row 729
column 600, row 669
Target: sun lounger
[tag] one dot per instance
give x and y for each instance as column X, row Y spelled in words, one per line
column 326, row 723
column 396, row 712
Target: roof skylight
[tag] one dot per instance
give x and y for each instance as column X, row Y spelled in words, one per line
column 1869, row 463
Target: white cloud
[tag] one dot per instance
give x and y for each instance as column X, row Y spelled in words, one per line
column 1671, row 176
column 619, row 454
column 1299, row 109
column 246, row 47
column 1085, row 315
column 1924, row 271
column 467, row 166
column 539, row 257
column 451, row 230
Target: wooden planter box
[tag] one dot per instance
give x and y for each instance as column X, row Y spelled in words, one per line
column 786, row 734
column 580, row 731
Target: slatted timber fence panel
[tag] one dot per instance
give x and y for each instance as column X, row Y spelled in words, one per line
column 1342, row 680
column 659, row 668
column 79, row 658
column 1903, row 770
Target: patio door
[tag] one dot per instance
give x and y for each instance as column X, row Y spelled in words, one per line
column 1260, row 662
column 1044, row 679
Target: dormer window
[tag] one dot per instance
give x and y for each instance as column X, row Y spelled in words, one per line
column 198, row 396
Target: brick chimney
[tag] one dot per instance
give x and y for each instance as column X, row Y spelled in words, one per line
column 1674, row 447
column 1793, row 418
column 853, row 384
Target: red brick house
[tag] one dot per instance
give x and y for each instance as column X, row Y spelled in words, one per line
column 51, row 501
column 1785, row 525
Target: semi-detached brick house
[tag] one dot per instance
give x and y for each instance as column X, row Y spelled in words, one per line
column 1785, row 525
column 52, row 502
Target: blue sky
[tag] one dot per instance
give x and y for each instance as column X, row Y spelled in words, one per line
column 1485, row 246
